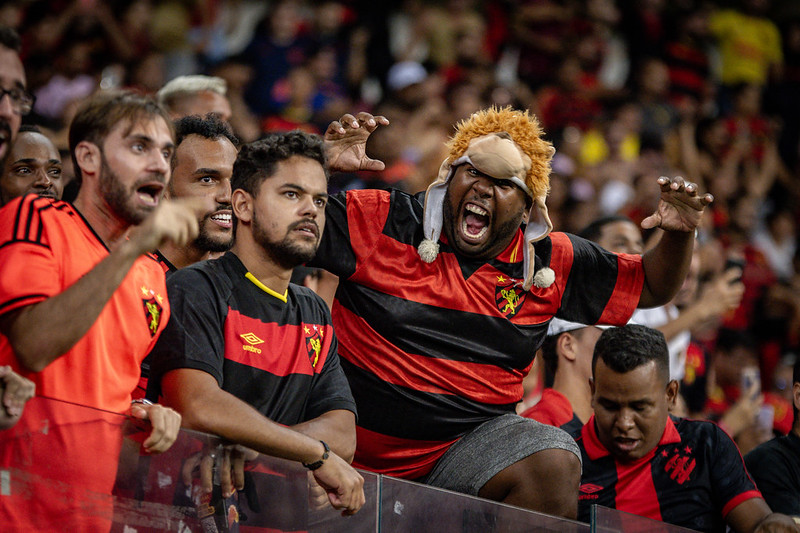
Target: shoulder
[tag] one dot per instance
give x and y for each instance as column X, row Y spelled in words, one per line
column 205, row 274
column 308, row 300
column 26, row 217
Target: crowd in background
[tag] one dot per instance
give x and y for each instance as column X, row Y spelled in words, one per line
column 627, row 90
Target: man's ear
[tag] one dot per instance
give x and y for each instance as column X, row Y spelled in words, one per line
column 89, row 158
column 796, row 394
column 672, row 393
column 242, row 205
column 565, row 346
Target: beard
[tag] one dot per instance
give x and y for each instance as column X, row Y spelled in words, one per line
column 120, row 199
column 208, row 243
column 287, row 252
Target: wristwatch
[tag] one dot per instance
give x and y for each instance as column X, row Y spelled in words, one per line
column 317, row 464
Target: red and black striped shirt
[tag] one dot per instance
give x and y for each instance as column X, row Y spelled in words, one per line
column 434, row 349
column 693, row 478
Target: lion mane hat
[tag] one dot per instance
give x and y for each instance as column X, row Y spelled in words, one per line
column 505, row 144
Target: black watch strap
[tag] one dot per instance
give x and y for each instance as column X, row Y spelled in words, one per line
column 317, row 464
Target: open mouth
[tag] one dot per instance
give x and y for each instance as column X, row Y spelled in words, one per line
column 307, row 229
column 625, row 444
column 223, row 218
column 150, row 193
column 474, row 223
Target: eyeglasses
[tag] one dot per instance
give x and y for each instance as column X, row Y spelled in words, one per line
column 21, row 100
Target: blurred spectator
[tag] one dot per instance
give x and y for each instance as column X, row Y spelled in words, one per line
column 279, row 44
column 33, row 166
column 775, row 465
column 567, row 355
column 749, row 44
column 195, row 95
column 541, row 29
column 777, row 240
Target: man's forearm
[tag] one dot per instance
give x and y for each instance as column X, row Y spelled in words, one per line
column 665, row 267
column 337, row 428
column 42, row 332
column 205, row 407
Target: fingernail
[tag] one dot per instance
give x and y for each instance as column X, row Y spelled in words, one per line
column 355, row 123
column 371, row 122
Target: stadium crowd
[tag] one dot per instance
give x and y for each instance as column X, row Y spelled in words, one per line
column 627, row 91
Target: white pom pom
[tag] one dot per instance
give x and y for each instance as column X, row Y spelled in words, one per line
column 544, row 277
column 428, row 250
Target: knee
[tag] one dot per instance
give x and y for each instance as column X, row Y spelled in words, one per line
column 556, row 464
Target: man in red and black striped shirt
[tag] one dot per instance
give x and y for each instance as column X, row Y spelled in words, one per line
column 443, row 302
column 639, row 459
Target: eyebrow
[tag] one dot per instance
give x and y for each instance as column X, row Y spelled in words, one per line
column 302, row 189
column 34, row 160
column 149, row 140
column 204, row 171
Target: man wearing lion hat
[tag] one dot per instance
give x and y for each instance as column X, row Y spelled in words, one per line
column 445, row 296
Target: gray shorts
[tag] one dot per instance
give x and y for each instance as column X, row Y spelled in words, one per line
column 489, row 448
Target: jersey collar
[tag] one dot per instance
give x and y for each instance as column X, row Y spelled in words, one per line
column 595, row 449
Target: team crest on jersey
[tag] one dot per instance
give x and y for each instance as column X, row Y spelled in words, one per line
column 314, row 337
column 152, row 310
column 680, row 465
column 509, row 296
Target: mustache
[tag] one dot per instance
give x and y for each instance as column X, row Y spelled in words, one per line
column 219, row 207
column 303, row 222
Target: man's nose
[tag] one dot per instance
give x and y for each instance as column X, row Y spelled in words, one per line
column 484, row 187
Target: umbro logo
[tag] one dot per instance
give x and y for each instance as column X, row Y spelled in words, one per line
column 590, row 488
column 251, row 339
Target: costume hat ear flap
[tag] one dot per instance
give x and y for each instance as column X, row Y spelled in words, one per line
column 538, row 227
column 433, row 214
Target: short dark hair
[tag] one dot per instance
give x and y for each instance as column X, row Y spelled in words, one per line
column 10, row 39
column 595, row 228
column 100, row 113
column 631, row 346
column 209, row 127
column 258, row 160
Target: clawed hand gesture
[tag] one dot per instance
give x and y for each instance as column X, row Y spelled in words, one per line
column 346, row 142
column 680, row 207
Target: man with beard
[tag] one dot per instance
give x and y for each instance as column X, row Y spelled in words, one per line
column 201, row 168
column 247, row 355
column 205, row 149
column 33, row 166
column 82, row 302
column 443, row 302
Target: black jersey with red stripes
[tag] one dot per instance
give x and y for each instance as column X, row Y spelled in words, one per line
column 693, row 478
column 434, row 349
column 276, row 352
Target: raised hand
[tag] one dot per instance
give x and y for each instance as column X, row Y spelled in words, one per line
column 346, row 142
column 680, row 207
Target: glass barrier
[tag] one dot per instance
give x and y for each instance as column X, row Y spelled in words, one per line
column 408, row 507
column 65, row 467
column 606, row 520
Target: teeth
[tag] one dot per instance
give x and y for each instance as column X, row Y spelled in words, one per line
column 222, row 217
column 478, row 235
column 477, row 210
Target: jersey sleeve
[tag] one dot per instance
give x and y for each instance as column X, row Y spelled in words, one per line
column 598, row 286
column 31, row 271
column 776, row 480
column 354, row 223
column 193, row 336
column 731, row 483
